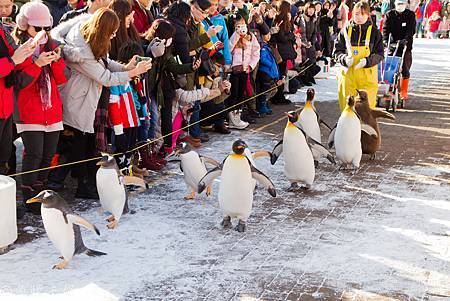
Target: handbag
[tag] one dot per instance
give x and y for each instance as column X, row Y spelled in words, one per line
column 276, row 54
column 249, row 90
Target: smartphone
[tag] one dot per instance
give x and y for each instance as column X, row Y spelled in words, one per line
column 7, row 20
column 60, row 46
column 39, row 36
column 143, row 58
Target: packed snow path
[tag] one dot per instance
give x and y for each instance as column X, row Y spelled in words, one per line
column 380, row 234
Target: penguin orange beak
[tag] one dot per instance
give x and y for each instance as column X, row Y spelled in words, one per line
column 288, row 115
column 34, row 200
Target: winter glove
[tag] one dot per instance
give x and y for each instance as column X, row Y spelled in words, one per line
column 403, row 42
column 157, row 47
column 362, row 64
column 348, row 60
column 120, row 143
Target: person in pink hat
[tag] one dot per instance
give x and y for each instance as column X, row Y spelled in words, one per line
column 38, row 116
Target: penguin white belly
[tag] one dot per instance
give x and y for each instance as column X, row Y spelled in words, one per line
column 347, row 139
column 59, row 233
column 236, row 188
column 193, row 168
column 111, row 192
column 309, row 123
column 298, row 159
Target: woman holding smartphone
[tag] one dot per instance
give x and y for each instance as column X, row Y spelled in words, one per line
column 39, row 115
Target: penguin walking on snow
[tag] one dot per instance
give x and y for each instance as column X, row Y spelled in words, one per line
column 310, row 122
column 193, row 167
column 297, row 148
column 346, row 136
column 236, row 186
column 370, row 144
column 111, row 190
column 63, row 226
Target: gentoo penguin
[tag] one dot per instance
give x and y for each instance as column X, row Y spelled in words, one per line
column 193, row 167
column 63, row 226
column 111, row 189
column 297, row 148
column 370, row 144
column 310, row 121
column 346, row 136
column 236, row 187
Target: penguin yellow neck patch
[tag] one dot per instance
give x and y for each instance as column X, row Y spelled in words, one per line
column 308, row 104
column 290, row 125
column 349, row 111
column 236, row 156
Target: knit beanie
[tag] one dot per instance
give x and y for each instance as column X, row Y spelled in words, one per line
column 35, row 14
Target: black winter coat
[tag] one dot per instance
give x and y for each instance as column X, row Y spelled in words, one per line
column 285, row 44
column 358, row 38
column 325, row 23
column 400, row 26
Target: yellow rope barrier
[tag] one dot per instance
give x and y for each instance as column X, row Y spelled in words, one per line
column 160, row 138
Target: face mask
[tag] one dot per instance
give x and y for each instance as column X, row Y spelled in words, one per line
column 400, row 7
column 169, row 42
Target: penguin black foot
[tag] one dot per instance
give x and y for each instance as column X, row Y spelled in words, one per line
column 293, row 188
column 226, row 222
column 94, row 253
column 316, row 164
column 306, row 187
column 240, row 226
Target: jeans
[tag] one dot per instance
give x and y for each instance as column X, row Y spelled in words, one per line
column 195, row 130
column 154, row 115
column 143, row 130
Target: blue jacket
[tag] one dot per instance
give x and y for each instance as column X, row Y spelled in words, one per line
column 221, row 36
column 267, row 62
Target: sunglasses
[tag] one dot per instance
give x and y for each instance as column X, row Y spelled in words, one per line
column 39, row 28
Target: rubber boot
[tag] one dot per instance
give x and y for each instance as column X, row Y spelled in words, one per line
column 148, row 159
column 404, row 88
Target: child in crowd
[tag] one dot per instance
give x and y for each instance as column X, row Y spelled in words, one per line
column 267, row 77
column 433, row 25
column 245, row 51
column 444, row 28
column 122, row 111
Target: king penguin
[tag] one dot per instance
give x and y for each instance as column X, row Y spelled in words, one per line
column 236, row 186
column 310, row 121
column 370, row 144
column 297, row 148
column 111, row 190
column 63, row 226
column 346, row 136
column 193, row 167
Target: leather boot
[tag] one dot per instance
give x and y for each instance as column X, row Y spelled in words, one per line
column 147, row 159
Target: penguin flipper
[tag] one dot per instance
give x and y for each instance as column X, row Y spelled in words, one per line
column 277, row 150
column 208, row 178
column 94, row 253
column 369, row 130
column 320, row 121
column 382, row 114
column 261, row 153
column 210, row 161
column 78, row 220
column 263, row 180
column 330, row 142
column 322, row 150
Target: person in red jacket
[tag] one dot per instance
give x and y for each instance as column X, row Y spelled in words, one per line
column 38, row 107
column 10, row 56
column 143, row 18
column 432, row 6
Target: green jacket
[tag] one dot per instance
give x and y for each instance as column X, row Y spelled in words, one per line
column 162, row 67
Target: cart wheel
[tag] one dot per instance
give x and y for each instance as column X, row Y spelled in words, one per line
column 387, row 104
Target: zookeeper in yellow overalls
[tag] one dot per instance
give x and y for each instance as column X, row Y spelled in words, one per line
column 359, row 49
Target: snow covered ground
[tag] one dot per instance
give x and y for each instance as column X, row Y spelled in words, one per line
column 383, row 231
